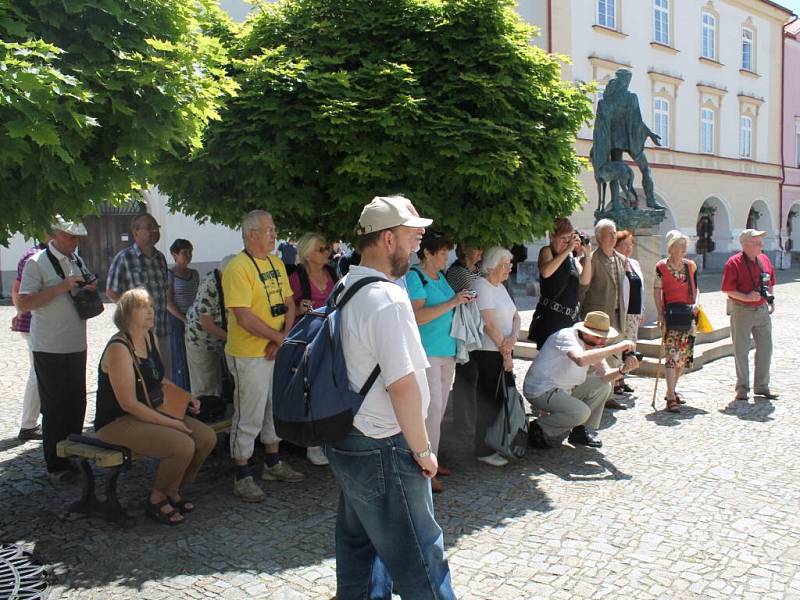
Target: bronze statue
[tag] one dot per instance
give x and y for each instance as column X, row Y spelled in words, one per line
column 618, row 128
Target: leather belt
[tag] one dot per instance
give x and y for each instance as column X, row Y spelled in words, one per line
column 561, row 308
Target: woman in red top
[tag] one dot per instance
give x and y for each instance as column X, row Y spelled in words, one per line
column 676, row 282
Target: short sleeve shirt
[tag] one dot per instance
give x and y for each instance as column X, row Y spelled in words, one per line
column 23, row 321
column 258, row 287
column 56, row 326
column 132, row 268
column 206, row 302
column 552, row 368
column 742, row 275
column 436, row 338
column 495, row 297
column 378, row 327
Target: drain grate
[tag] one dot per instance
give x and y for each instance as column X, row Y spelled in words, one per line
column 20, row 577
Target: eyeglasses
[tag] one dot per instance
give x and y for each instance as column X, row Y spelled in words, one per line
column 264, row 229
column 324, row 249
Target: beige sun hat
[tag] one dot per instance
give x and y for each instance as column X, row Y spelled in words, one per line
column 70, row 227
column 749, row 234
column 385, row 212
column 597, row 323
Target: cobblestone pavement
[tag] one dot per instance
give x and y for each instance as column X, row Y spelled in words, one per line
column 703, row 504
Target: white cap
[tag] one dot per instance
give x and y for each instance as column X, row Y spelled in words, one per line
column 749, row 234
column 60, row 224
column 385, row 212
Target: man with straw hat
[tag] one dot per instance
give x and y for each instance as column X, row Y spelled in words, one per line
column 559, row 383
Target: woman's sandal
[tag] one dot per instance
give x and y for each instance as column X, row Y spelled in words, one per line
column 673, row 405
column 166, row 518
column 184, row 505
column 679, row 398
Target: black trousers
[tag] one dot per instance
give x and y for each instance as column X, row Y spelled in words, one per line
column 62, row 389
column 464, row 391
column 489, row 396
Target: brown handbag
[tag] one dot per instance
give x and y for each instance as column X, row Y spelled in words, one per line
column 175, row 400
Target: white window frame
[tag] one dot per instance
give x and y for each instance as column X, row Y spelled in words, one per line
column 608, row 16
column 708, row 44
column 661, row 118
column 748, row 41
column 707, row 130
column 745, row 136
column 661, row 16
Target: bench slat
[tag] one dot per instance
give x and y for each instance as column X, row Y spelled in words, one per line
column 101, row 456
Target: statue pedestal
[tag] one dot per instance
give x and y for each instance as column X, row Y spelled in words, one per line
column 633, row 219
column 647, row 250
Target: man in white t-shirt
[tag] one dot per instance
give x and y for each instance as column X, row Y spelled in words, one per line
column 385, row 528
column 558, row 382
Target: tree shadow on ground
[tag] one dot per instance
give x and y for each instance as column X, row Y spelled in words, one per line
column 760, row 411
column 292, row 529
column 668, row 419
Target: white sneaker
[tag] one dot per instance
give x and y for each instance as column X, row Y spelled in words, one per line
column 493, row 459
column 316, row 456
column 247, row 489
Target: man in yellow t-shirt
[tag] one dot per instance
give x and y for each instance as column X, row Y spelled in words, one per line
column 260, row 312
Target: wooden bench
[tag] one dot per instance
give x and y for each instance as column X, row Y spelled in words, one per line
column 116, row 459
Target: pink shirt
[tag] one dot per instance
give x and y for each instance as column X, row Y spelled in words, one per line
column 318, row 297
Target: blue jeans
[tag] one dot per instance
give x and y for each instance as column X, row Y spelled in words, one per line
column 385, row 529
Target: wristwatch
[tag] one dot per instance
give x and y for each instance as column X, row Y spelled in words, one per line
column 425, row 453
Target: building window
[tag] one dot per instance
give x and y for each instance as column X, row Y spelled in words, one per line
column 707, row 130
column 747, row 50
column 661, row 120
column 661, row 21
column 709, row 36
column 745, row 137
column 607, row 13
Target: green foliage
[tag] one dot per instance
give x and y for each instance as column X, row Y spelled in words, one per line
column 93, row 93
column 442, row 100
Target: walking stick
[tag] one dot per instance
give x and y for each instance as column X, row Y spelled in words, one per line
column 658, row 368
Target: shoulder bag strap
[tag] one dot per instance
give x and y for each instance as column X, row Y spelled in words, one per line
column 689, row 280
column 305, row 283
column 422, row 279
column 135, row 360
column 221, row 294
column 56, row 263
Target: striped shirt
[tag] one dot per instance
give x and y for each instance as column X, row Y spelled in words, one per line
column 460, row 278
column 183, row 290
column 131, row 268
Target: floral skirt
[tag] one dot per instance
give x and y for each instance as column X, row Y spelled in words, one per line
column 678, row 349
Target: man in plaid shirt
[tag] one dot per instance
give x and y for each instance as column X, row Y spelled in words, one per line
column 142, row 265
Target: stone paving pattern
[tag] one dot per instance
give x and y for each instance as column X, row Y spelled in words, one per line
column 703, row 504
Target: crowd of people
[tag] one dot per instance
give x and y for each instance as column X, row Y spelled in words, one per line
column 436, row 333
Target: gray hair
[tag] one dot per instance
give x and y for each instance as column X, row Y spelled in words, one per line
column 251, row 219
column 603, row 224
column 306, row 245
column 492, row 258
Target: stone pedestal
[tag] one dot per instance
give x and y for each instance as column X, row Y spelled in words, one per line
column 647, row 250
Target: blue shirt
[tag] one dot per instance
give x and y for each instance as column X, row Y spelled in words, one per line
column 436, row 338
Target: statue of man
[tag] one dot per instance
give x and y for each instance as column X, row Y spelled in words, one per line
column 618, row 128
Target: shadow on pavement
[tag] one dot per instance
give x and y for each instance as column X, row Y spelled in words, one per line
column 577, row 464
column 668, row 419
column 759, row 411
column 293, row 528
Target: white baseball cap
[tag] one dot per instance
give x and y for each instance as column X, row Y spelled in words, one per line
column 385, row 212
column 749, row 234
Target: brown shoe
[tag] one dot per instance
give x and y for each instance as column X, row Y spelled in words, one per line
column 616, row 405
column 443, row 471
column 436, row 486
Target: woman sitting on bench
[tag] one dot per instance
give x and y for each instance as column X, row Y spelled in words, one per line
column 130, row 389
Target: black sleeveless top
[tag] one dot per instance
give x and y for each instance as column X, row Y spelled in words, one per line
column 561, row 288
column 152, row 369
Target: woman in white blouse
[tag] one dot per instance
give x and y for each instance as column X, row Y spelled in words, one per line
column 632, row 296
column 501, row 324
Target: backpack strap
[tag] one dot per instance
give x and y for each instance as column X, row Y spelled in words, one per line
column 351, row 291
column 221, row 294
column 422, row 278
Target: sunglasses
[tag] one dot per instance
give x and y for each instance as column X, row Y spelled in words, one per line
column 324, row 249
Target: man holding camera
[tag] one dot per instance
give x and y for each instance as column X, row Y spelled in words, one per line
column 748, row 280
column 558, row 381
column 260, row 312
column 58, row 339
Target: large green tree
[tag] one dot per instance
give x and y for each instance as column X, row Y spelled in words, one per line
column 445, row 101
column 93, row 93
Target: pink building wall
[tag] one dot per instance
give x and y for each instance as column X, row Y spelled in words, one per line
column 791, row 118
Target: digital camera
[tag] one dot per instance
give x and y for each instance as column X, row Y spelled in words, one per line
column 584, row 239
column 628, row 353
column 279, row 310
column 88, row 279
column 763, row 288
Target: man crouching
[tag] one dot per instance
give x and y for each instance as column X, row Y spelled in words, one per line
column 558, row 382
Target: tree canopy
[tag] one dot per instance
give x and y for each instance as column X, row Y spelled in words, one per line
column 93, row 93
column 445, row 101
